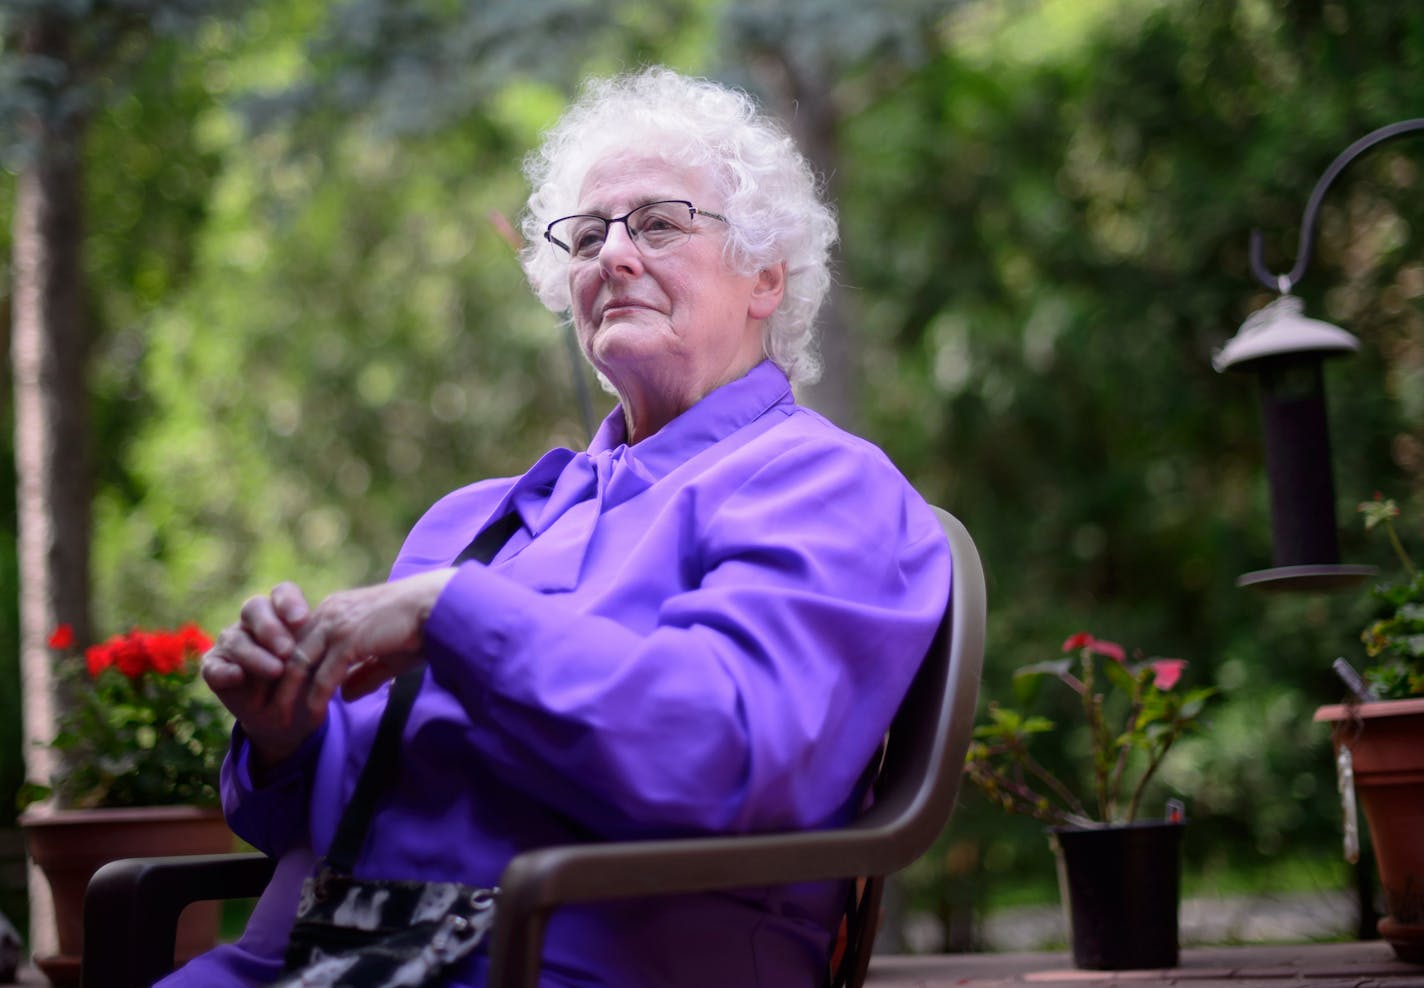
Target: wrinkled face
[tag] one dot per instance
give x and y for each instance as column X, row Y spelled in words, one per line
column 665, row 326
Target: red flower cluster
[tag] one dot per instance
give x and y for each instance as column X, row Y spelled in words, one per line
column 139, row 651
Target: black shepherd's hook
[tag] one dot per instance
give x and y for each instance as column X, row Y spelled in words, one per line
column 1283, row 283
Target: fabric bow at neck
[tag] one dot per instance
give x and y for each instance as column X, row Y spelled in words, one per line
column 559, row 502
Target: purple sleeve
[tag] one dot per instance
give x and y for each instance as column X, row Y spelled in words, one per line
column 806, row 596
column 271, row 817
column 256, row 957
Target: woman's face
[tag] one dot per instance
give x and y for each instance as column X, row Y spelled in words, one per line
column 669, row 327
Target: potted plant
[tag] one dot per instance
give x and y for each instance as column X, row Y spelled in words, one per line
column 1378, row 736
column 141, row 743
column 1119, row 876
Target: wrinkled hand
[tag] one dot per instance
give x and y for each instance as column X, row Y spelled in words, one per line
column 278, row 667
column 254, row 668
column 359, row 639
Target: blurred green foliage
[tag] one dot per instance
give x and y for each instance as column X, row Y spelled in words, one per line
column 309, row 326
column 1083, row 253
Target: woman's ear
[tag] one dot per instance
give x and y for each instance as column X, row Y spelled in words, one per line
column 766, row 293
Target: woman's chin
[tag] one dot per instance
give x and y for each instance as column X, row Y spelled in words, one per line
column 622, row 342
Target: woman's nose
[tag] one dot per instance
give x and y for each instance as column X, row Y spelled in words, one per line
column 620, row 252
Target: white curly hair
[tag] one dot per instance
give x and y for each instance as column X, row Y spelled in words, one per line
column 772, row 198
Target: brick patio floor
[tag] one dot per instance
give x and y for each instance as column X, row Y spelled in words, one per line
column 1339, row 965
column 1331, row 965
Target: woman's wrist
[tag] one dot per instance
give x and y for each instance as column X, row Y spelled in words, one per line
column 266, row 758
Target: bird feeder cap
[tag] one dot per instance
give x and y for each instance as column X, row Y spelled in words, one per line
column 1307, row 579
column 1281, row 329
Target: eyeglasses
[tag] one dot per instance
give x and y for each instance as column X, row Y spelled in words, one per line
column 653, row 226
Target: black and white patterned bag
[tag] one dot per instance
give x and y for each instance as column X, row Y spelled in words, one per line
column 383, row 934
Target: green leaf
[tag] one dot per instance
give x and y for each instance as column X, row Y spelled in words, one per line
column 1055, row 667
column 32, row 792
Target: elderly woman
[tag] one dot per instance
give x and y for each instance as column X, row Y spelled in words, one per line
column 704, row 623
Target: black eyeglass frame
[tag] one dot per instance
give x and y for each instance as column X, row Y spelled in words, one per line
column 692, row 212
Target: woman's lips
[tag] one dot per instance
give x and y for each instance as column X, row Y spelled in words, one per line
column 622, row 303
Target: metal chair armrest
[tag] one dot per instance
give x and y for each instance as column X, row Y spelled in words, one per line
column 535, row 882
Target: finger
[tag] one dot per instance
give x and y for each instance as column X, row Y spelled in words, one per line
column 235, row 646
column 240, row 692
column 291, row 605
column 298, row 663
column 302, row 662
column 220, row 673
column 341, row 625
column 341, row 656
column 368, row 675
column 259, row 618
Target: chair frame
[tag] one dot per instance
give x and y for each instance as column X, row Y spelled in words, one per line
column 916, row 791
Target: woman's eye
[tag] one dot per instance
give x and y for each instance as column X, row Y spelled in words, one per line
column 588, row 242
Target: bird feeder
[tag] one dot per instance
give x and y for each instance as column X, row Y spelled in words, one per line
column 1286, row 352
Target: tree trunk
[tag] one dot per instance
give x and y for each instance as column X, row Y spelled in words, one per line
column 49, row 354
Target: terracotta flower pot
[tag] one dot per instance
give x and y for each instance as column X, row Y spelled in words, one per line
column 70, row 845
column 1121, row 885
column 1386, row 742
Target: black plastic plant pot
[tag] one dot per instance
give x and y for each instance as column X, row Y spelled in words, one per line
column 1120, row 886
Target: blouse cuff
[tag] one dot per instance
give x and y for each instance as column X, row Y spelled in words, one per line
column 299, row 765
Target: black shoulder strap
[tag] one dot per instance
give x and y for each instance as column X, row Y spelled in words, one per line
column 378, row 775
column 383, row 765
column 491, row 539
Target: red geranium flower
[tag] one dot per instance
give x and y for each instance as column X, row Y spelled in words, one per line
column 62, row 637
column 194, row 640
column 98, row 658
column 130, row 656
column 166, row 652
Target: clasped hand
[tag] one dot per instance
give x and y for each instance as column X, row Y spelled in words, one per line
column 279, row 665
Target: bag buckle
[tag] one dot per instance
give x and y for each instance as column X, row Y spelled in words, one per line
column 457, row 935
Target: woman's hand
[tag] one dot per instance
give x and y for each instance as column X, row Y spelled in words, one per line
column 359, row 639
column 258, row 673
column 277, row 668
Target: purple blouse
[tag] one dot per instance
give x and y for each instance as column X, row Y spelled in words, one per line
column 706, row 632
